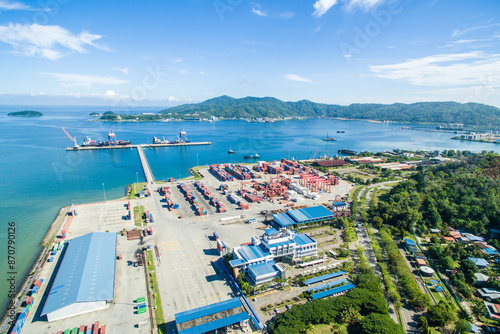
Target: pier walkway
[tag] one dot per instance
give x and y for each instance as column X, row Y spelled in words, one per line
column 145, row 165
column 122, row 147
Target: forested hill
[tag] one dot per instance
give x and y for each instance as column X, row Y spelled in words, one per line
column 421, row 112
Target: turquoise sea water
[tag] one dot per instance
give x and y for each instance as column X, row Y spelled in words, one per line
column 38, row 177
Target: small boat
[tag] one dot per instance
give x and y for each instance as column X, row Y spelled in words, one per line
column 255, row 156
column 329, row 138
column 231, row 151
column 340, row 131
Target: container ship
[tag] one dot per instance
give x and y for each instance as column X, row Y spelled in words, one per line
column 111, row 141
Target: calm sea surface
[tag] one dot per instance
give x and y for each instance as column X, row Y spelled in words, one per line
column 38, row 177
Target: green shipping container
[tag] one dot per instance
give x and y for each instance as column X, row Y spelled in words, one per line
column 140, row 300
column 141, row 310
column 67, row 331
column 75, row 330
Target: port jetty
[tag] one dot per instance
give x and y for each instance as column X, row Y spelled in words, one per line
column 130, row 146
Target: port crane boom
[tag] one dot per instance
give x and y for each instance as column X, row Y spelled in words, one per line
column 71, row 138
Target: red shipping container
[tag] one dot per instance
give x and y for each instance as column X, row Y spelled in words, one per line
column 96, row 328
column 103, row 330
column 82, row 329
column 29, row 301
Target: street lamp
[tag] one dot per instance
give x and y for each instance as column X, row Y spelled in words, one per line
column 104, row 191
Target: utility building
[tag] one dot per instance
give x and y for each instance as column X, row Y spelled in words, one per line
column 85, row 280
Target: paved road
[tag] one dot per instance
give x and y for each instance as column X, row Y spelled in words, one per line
column 410, row 317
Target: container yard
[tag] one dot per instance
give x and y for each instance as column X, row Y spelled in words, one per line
column 195, row 223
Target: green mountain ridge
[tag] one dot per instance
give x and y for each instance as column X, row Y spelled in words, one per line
column 420, row 112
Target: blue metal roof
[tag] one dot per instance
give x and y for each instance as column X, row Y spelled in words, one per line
column 490, row 251
column 236, row 262
column 338, row 204
column 324, row 277
column 219, row 323
column 303, row 239
column 262, row 269
column 281, row 244
column 479, row 262
column 438, row 288
column 271, row 231
column 313, row 213
column 283, row 219
column 251, row 252
column 410, row 242
column 207, row 310
column 329, row 285
column 473, row 237
column 333, row 291
column 433, row 281
column 87, row 272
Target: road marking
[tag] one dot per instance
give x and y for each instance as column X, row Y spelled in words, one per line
column 170, row 246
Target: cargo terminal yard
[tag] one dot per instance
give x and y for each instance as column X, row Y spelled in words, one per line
column 175, row 248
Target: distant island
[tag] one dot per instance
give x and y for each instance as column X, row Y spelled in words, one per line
column 26, row 113
column 225, row 107
column 95, row 114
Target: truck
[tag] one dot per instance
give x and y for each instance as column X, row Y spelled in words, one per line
column 216, row 237
column 251, row 221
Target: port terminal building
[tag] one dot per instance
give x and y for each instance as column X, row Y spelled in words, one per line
column 302, row 216
column 258, row 259
column 85, row 279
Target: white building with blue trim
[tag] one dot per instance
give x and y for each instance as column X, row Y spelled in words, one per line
column 258, row 260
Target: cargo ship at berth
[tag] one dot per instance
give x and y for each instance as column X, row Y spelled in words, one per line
column 347, row 152
column 111, row 141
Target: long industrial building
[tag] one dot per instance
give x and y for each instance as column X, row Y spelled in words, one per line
column 212, row 317
column 86, row 277
column 302, row 216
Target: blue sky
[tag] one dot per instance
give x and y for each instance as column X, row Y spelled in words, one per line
column 163, row 53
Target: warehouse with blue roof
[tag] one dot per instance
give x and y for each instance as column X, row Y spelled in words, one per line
column 302, row 216
column 85, row 280
column 212, row 317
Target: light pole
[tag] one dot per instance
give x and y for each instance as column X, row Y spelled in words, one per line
column 104, row 191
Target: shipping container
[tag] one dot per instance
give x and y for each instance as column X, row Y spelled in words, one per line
column 75, row 330
column 67, row 331
column 102, row 330
column 216, row 237
column 142, row 310
column 140, row 300
column 96, row 328
column 142, row 305
column 81, row 330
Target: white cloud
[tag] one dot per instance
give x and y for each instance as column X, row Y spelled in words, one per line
column 52, row 42
column 295, row 77
column 124, row 70
column 112, row 95
column 84, row 80
column 178, row 60
column 7, row 5
column 322, row 6
column 363, row 4
column 258, row 11
column 173, row 99
column 460, row 32
column 473, row 68
column 286, row 15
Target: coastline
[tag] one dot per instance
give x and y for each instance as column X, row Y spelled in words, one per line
column 33, row 273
